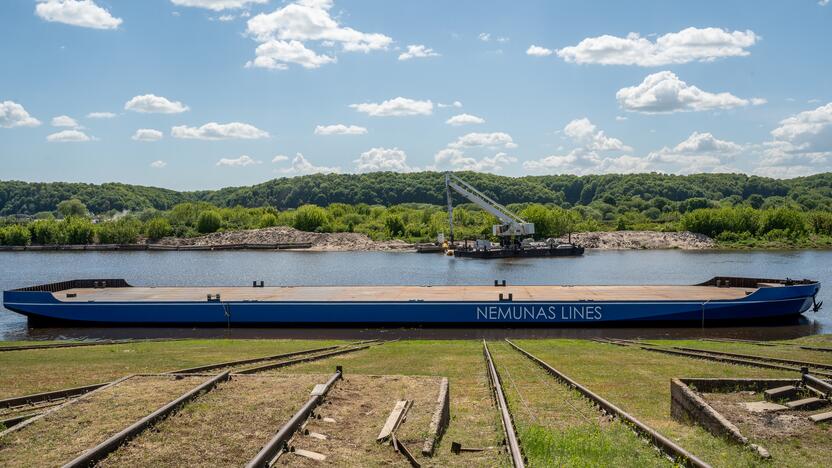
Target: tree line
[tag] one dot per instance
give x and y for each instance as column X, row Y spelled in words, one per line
column 630, row 192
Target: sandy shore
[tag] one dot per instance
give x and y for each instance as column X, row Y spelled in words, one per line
column 349, row 241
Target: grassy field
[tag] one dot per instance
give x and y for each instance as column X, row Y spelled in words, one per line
column 556, row 426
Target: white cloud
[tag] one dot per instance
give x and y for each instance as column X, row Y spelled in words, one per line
column 158, row 164
column 456, row 104
column 801, row 145
column 417, row 51
column 382, row 159
column 64, row 121
column 300, row 165
column 700, row 152
column 242, row 161
column 217, row 131
column 277, row 55
column 687, row 45
column 395, row 107
column 309, row 21
column 280, row 158
column 581, row 161
column 823, row 2
column 455, row 159
column 68, row 136
column 152, row 104
column 101, row 115
column 217, row 5
column 464, row 119
column 147, row 134
column 84, row 13
column 620, row 118
column 538, row 51
column 13, row 115
column 339, row 129
column 485, row 37
column 586, row 133
column 490, row 140
column 664, row 92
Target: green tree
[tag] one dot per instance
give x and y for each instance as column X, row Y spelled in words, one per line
column 72, row 207
column 157, row 228
column 310, row 218
column 208, row 222
column 394, row 224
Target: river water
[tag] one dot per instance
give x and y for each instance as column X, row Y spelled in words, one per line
column 18, row 269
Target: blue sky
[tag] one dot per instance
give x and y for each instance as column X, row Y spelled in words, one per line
column 209, row 93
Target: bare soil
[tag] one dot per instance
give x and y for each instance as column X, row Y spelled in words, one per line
column 638, row 240
column 62, row 435
column 225, row 427
column 338, row 241
column 359, row 406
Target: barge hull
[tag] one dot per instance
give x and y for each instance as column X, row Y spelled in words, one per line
column 748, row 306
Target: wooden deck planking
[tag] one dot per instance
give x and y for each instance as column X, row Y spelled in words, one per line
column 406, row 293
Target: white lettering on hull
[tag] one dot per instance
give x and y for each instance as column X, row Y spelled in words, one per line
column 540, row 313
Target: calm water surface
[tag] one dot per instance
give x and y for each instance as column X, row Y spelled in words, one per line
column 18, row 269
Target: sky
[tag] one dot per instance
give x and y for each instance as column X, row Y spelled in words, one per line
column 202, row 94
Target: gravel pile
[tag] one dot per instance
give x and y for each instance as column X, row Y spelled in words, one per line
column 626, row 240
column 343, row 241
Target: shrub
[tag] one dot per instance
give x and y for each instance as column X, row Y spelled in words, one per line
column 158, row 228
column 268, row 220
column 208, row 222
column 785, row 219
column 821, row 222
column 310, row 218
column 46, row 232
column 121, row 231
column 15, row 234
column 77, row 230
column 394, row 225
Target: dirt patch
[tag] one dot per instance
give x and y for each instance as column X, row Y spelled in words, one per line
column 225, row 427
column 64, row 434
column 359, row 406
column 638, row 240
column 760, row 425
column 338, row 241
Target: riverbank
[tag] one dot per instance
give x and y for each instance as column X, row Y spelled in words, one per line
column 555, row 424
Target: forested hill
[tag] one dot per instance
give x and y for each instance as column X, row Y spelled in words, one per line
column 389, row 188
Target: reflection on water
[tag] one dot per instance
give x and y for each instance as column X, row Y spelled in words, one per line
column 19, row 269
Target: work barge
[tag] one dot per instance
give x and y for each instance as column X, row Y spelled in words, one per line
column 115, row 302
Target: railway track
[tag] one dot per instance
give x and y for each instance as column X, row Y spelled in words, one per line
column 82, row 344
column 37, row 402
column 662, row 443
column 518, row 460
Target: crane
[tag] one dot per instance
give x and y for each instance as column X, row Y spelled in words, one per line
column 512, row 225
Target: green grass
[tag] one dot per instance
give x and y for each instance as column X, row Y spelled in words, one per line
column 780, row 351
column 557, row 426
column 42, row 370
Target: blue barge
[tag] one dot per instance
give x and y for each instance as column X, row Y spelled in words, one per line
column 114, row 302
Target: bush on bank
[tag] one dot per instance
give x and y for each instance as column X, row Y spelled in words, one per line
column 740, row 225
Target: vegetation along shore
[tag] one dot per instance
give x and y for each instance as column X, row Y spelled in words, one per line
column 382, row 211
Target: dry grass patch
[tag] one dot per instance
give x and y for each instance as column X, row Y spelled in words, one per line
column 225, row 427
column 62, row 435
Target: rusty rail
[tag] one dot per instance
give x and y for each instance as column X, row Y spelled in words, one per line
column 816, row 365
column 77, row 344
column 729, row 360
column 291, row 362
column 517, row 458
column 661, row 442
column 240, row 362
column 99, row 452
column 49, row 396
column 278, row 444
